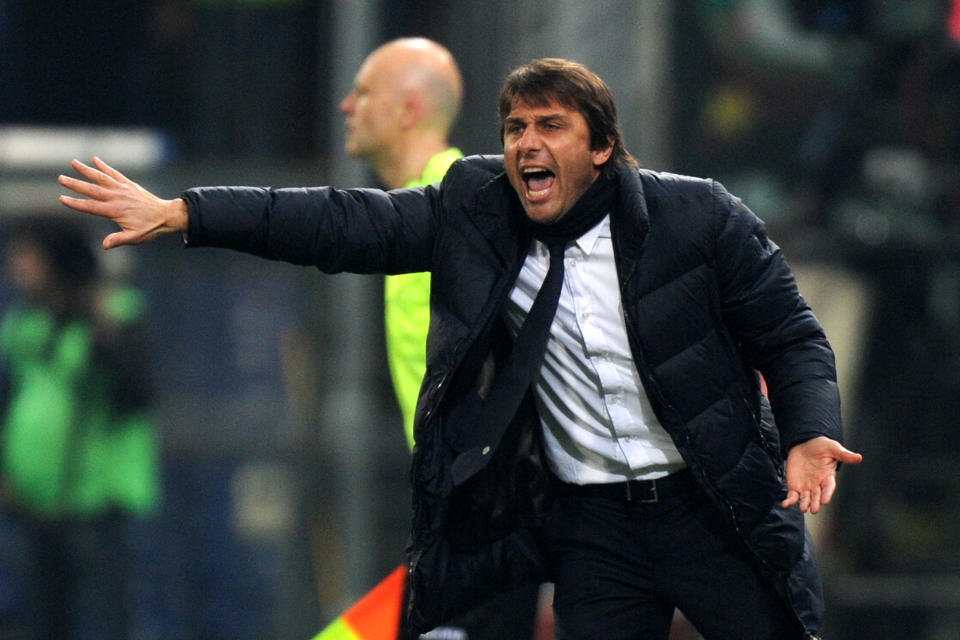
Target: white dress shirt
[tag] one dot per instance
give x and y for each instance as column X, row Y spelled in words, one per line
column 597, row 421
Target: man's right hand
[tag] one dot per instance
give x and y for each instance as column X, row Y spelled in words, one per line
column 109, row 194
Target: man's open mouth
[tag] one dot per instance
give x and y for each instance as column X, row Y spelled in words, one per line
column 538, row 180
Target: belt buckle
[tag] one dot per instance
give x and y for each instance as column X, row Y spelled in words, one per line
column 654, row 495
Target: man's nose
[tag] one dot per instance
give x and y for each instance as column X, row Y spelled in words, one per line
column 529, row 140
column 346, row 105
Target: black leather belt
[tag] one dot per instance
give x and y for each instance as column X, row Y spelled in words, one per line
column 642, row 491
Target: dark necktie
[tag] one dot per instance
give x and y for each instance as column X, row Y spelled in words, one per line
column 514, row 378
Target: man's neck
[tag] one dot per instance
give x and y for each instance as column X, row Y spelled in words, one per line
column 406, row 163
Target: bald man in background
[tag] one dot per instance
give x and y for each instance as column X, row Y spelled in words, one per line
column 405, row 99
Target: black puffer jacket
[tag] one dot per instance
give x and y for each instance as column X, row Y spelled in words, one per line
column 708, row 300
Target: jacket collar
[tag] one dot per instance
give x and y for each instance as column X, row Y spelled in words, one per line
column 498, row 211
column 629, row 219
column 498, row 217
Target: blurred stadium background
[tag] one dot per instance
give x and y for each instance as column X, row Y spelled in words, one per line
column 286, row 491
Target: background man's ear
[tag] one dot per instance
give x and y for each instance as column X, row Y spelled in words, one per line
column 413, row 111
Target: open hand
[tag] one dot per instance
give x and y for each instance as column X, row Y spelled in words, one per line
column 109, row 194
column 812, row 472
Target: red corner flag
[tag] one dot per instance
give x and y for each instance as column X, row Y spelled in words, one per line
column 376, row 616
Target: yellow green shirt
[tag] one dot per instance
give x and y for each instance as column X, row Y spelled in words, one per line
column 407, row 311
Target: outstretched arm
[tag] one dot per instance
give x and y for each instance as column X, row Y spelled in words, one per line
column 812, row 472
column 140, row 215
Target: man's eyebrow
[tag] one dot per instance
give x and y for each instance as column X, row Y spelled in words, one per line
column 551, row 117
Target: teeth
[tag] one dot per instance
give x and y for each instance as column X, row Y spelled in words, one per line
column 534, row 175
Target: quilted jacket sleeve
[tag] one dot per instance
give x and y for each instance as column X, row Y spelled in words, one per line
column 777, row 331
column 355, row 230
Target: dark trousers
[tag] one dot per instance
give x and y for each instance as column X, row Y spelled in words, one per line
column 622, row 566
column 511, row 615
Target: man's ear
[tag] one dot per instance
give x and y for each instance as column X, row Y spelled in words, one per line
column 600, row 156
column 412, row 111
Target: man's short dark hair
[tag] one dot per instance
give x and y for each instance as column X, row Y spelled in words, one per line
column 539, row 82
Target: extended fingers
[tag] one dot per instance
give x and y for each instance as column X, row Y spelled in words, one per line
column 807, row 500
column 89, row 172
column 110, row 171
column 82, row 187
column 815, row 500
column 86, row 205
column 826, row 490
column 95, row 200
column 799, row 498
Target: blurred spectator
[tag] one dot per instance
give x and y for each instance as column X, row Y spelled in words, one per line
column 78, row 457
column 786, row 99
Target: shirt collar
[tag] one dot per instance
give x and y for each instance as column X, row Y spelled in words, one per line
column 588, row 240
